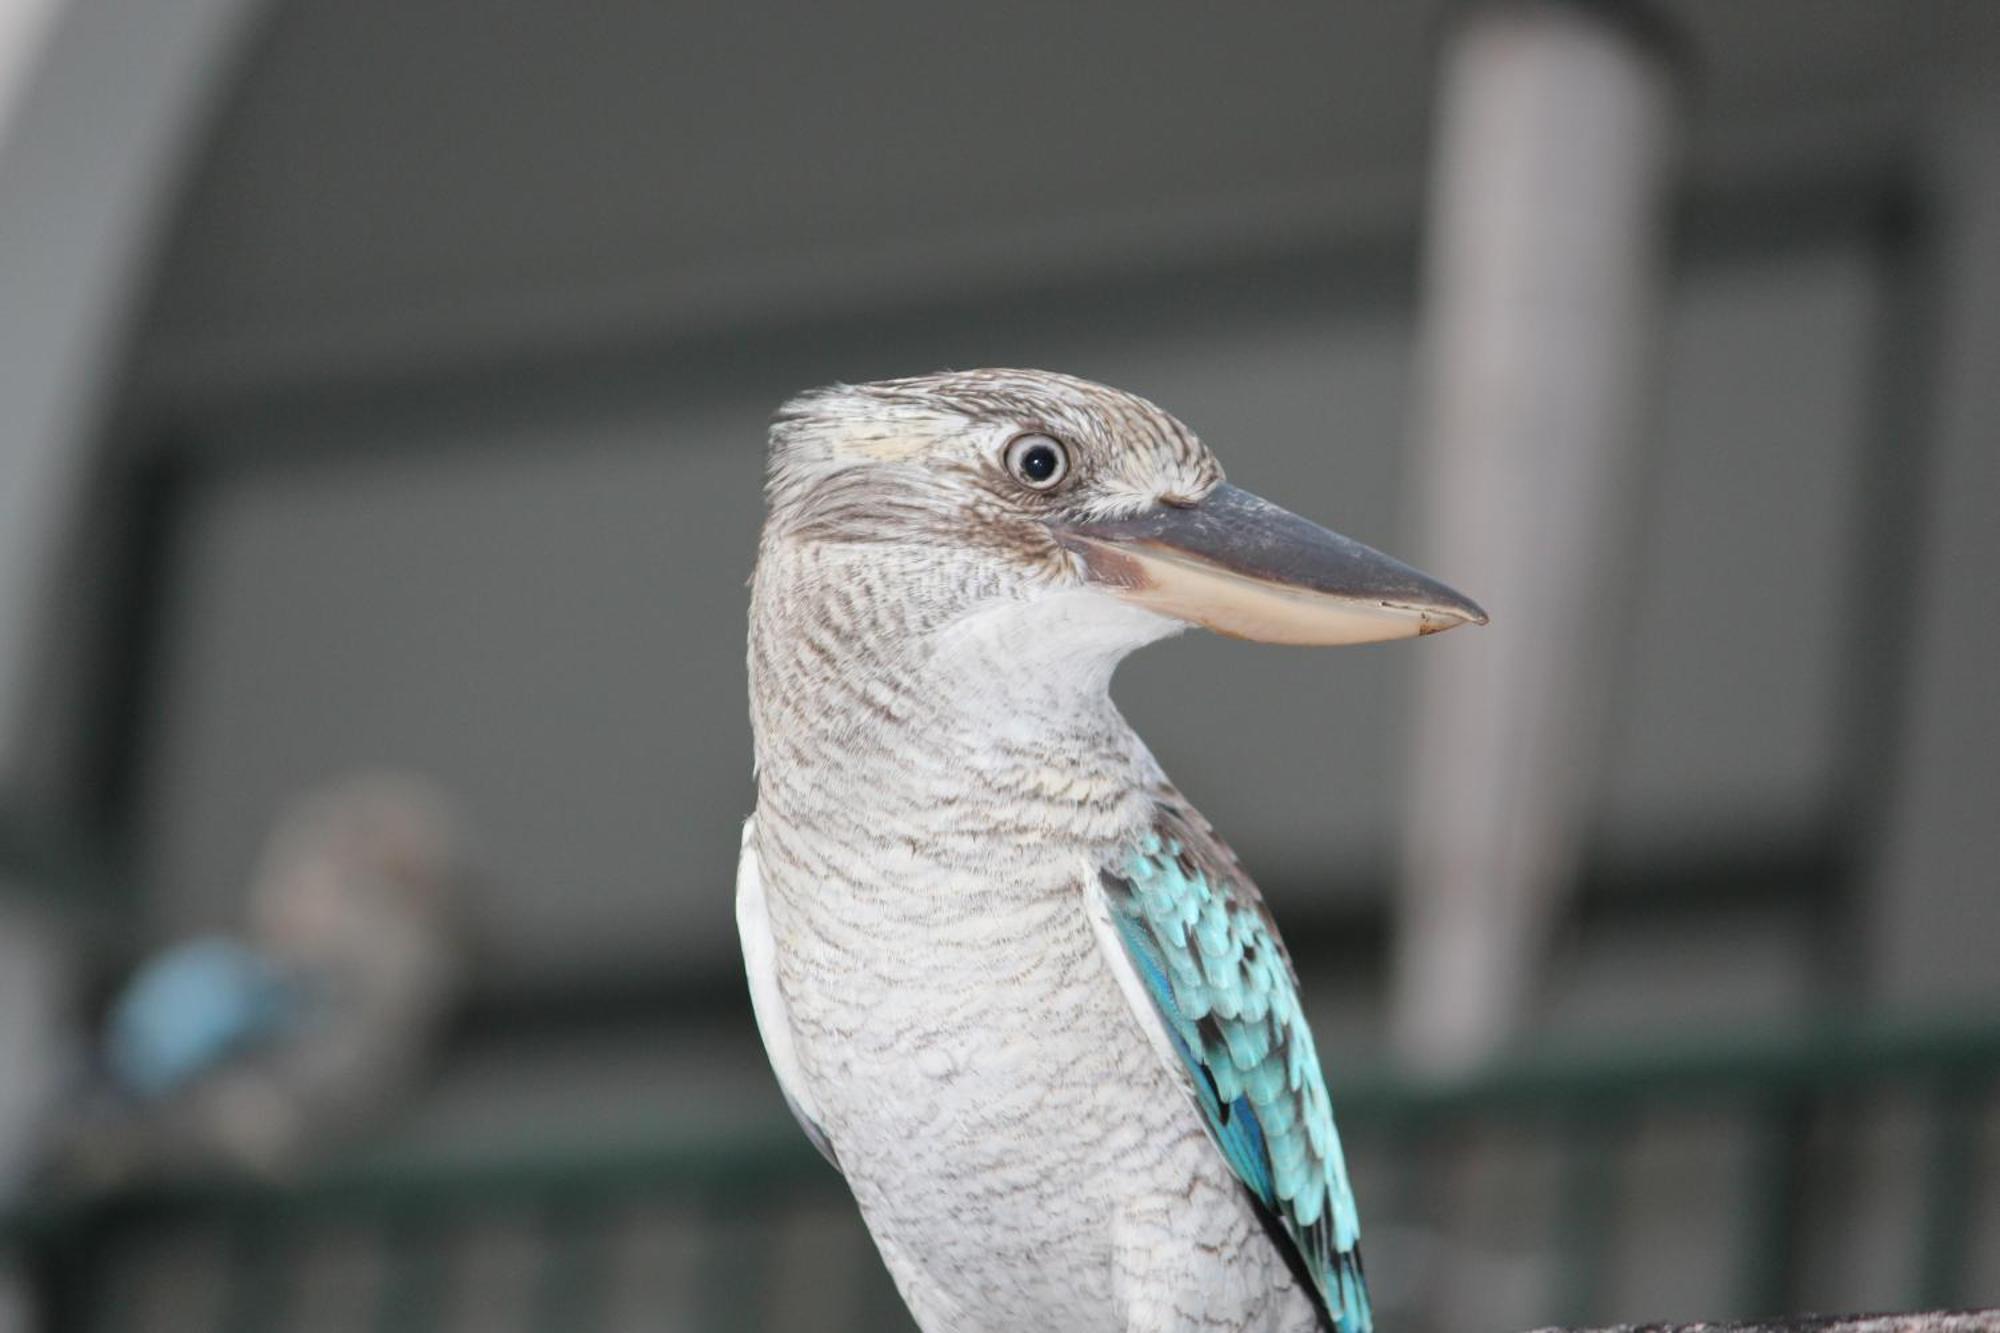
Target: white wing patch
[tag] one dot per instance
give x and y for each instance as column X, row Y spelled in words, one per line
column 1141, row 1003
column 767, row 999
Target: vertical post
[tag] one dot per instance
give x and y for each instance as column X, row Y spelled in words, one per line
column 28, row 963
column 1951, row 1184
column 259, row 1270
column 570, row 1289
column 38, row 985
column 416, row 1272
column 1932, row 915
column 1586, row 1209
column 1774, row 1198
column 17, row 1295
column 1556, row 137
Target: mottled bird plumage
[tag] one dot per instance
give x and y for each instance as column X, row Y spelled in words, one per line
column 253, row 1053
column 1014, row 986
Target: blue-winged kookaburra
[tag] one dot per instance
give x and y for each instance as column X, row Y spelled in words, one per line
column 1014, row 987
column 259, row 1052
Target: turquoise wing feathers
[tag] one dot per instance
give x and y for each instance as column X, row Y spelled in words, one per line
column 1208, row 956
column 192, row 1009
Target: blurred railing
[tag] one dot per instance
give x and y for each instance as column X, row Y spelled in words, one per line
column 242, row 1252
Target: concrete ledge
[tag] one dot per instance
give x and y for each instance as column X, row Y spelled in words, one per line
column 1968, row 1321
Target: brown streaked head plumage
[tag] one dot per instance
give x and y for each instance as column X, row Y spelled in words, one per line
column 900, row 457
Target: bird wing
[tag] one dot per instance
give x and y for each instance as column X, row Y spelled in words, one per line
column 1198, row 957
column 767, row 998
column 193, row 1008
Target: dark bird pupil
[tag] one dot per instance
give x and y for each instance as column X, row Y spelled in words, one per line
column 1038, row 463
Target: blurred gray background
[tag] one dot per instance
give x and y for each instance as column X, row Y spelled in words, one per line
column 414, row 416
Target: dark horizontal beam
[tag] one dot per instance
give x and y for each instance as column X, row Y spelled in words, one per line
column 767, row 353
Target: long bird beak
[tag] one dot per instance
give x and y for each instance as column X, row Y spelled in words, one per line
column 1241, row 566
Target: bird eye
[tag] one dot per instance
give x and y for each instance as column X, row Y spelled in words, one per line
column 1037, row 462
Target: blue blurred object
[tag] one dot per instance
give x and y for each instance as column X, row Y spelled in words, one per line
column 191, row 1009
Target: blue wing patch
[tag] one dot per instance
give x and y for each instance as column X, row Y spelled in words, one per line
column 1210, row 958
column 191, row 1009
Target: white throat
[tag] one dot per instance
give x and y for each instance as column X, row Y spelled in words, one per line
column 1025, row 664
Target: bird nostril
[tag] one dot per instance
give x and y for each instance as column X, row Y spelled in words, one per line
column 1173, row 501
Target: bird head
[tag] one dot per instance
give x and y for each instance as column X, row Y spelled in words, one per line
column 373, row 852
column 1054, row 503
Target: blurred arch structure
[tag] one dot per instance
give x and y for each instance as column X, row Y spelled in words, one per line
column 101, row 102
